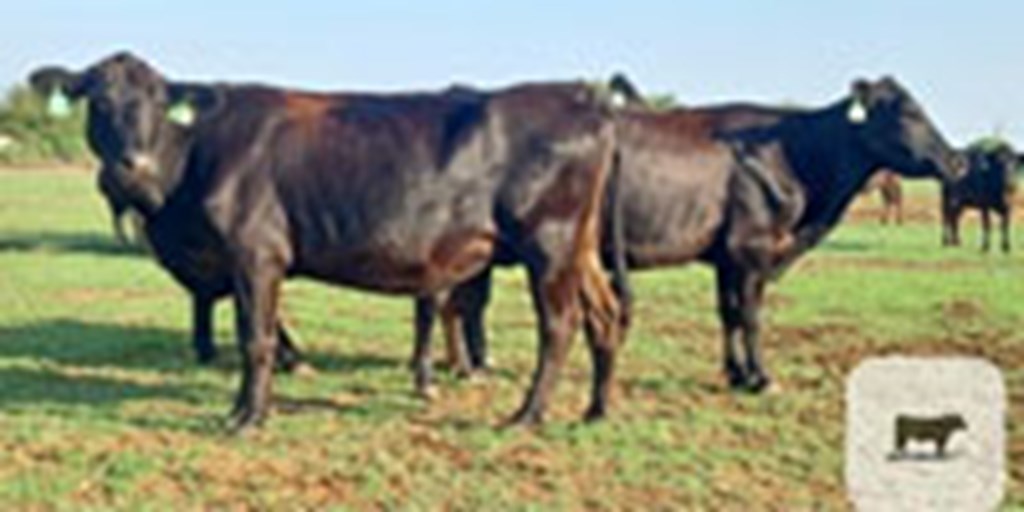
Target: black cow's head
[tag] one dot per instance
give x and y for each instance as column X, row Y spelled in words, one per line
column 897, row 132
column 1002, row 163
column 134, row 115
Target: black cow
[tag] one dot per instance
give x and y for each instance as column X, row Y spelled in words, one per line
column 748, row 189
column 988, row 185
column 205, row 288
column 405, row 194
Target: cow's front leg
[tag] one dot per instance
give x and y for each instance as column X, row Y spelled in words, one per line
column 954, row 228
column 422, row 366
column 257, row 287
column 1004, row 228
column 986, row 230
column 729, row 315
column 202, row 328
column 950, row 223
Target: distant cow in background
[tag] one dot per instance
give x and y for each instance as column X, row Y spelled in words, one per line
column 888, row 185
column 988, row 185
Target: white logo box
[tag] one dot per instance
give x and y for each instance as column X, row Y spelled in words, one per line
column 969, row 477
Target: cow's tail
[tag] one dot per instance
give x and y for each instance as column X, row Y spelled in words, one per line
column 622, row 87
column 615, row 259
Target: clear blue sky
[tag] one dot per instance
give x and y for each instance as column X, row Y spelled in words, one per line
column 964, row 60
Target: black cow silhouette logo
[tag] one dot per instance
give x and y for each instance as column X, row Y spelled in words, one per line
column 937, row 429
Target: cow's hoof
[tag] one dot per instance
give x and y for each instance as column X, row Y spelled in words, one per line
column 426, row 393
column 757, row 384
column 736, row 378
column 524, row 418
column 461, row 371
column 302, row 369
column 594, row 414
column 290, row 363
column 477, row 375
column 244, row 421
column 206, row 358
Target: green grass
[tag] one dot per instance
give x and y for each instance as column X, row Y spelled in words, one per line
column 101, row 406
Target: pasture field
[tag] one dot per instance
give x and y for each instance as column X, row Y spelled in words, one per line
column 102, row 407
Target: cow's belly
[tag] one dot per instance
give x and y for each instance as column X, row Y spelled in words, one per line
column 403, row 268
column 664, row 233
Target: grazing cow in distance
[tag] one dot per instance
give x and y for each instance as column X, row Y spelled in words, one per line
column 748, row 189
column 889, row 188
column 989, row 185
column 407, row 194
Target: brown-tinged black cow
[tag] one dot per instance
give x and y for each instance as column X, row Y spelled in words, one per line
column 748, row 189
column 988, row 186
column 205, row 288
column 404, row 194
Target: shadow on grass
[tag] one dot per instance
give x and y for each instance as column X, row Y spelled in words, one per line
column 64, row 361
column 77, row 343
column 846, row 246
column 42, row 386
column 93, row 243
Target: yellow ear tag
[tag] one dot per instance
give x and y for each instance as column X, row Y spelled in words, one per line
column 58, row 105
column 181, row 114
column 858, row 113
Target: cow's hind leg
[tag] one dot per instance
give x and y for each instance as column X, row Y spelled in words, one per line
column 455, row 351
column 602, row 319
column 257, row 288
column 473, row 301
column 289, row 358
column 556, row 300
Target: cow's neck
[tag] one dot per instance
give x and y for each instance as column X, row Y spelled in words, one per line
column 830, row 163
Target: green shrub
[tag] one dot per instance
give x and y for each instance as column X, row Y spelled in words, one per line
column 30, row 136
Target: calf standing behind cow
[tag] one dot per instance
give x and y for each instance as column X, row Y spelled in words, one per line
column 748, row 189
column 989, row 185
column 405, row 194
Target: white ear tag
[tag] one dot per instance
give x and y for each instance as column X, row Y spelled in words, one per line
column 618, row 100
column 858, row 113
column 182, row 114
column 58, row 105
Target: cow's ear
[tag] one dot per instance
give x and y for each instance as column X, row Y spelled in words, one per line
column 859, row 108
column 60, row 86
column 48, row 79
column 191, row 102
